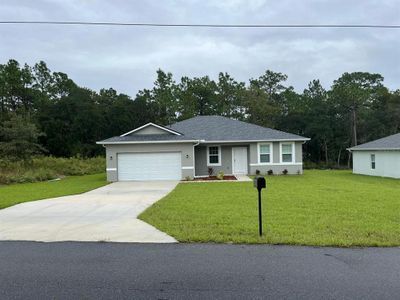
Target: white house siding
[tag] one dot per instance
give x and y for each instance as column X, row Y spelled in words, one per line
column 387, row 163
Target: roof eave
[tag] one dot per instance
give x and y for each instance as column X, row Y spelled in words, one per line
column 373, row 149
column 257, row 140
column 170, row 130
column 145, row 142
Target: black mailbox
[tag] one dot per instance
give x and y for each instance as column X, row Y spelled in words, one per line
column 259, row 183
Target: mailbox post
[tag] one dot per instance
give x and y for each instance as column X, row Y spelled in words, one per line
column 259, row 183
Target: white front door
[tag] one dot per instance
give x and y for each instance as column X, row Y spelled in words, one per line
column 239, row 160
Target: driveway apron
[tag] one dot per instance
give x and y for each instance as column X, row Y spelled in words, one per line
column 106, row 214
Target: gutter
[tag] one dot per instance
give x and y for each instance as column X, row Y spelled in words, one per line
column 373, row 149
column 146, row 142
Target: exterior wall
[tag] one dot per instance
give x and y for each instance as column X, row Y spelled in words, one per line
column 201, row 168
column 151, row 130
column 387, row 163
column 276, row 166
column 186, row 150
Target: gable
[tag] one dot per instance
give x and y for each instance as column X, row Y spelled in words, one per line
column 151, row 129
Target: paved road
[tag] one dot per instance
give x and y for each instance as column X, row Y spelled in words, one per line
column 69, row 270
column 104, row 214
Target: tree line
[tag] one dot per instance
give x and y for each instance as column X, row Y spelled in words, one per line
column 47, row 112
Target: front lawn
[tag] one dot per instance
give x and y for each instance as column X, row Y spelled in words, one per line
column 18, row 193
column 324, row 208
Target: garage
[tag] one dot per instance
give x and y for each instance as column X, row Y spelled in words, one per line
column 149, row 166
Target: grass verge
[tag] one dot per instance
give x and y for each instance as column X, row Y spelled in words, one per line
column 18, row 193
column 319, row 208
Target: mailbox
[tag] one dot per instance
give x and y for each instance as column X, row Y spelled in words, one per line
column 259, row 183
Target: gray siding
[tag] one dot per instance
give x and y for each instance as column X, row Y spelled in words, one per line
column 276, row 166
column 201, row 161
column 186, row 150
column 151, row 130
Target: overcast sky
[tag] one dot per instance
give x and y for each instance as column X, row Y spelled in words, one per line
column 126, row 58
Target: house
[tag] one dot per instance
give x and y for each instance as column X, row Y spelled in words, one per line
column 190, row 147
column 378, row 158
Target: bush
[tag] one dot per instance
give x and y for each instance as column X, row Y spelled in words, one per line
column 188, row 178
column 210, row 171
column 285, row 172
column 322, row 165
column 270, row 172
column 43, row 168
column 220, row 175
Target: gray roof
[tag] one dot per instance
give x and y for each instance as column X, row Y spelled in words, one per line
column 209, row 129
column 218, row 128
column 391, row 142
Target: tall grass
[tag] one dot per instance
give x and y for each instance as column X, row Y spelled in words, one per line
column 46, row 167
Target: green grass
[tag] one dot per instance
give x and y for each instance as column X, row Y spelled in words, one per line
column 18, row 193
column 321, row 208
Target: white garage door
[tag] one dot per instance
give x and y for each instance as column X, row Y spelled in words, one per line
column 149, row 166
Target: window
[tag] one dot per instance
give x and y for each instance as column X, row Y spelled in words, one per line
column 373, row 161
column 214, row 156
column 264, row 153
column 287, row 152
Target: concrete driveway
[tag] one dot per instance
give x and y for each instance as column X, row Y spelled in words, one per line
column 106, row 214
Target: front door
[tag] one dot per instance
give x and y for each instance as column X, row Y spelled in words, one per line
column 239, row 160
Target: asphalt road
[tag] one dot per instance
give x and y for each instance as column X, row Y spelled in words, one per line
column 69, row 270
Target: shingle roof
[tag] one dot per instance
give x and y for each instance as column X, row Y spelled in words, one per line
column 218, row 128
column 210, row 128
column 391, row 142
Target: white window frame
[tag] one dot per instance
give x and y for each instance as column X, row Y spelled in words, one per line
column 271, row 153
column 372, row 161
column 293, row 153
column 208, row 156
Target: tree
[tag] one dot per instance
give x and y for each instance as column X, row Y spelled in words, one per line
column 354, row 92
column 164, row 97
column 318, row 116
column 19, row 138
column 197, row 96
column 229, row 97
column 15, row 92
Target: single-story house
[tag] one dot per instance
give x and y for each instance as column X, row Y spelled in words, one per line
column 190, row 147
column 378, row 158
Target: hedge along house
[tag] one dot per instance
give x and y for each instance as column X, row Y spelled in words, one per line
column 378, row 158
column 190, row 147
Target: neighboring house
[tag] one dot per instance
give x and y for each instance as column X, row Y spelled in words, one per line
column 378, row 158
column 189, row 148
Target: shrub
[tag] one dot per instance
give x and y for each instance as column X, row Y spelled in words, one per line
column 220, row 175
column 285, row 172
column 188, row 178
column 43, row 168
column 210, row 171
column 270, row 172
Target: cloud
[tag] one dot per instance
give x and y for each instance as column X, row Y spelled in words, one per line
column 126, row 58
